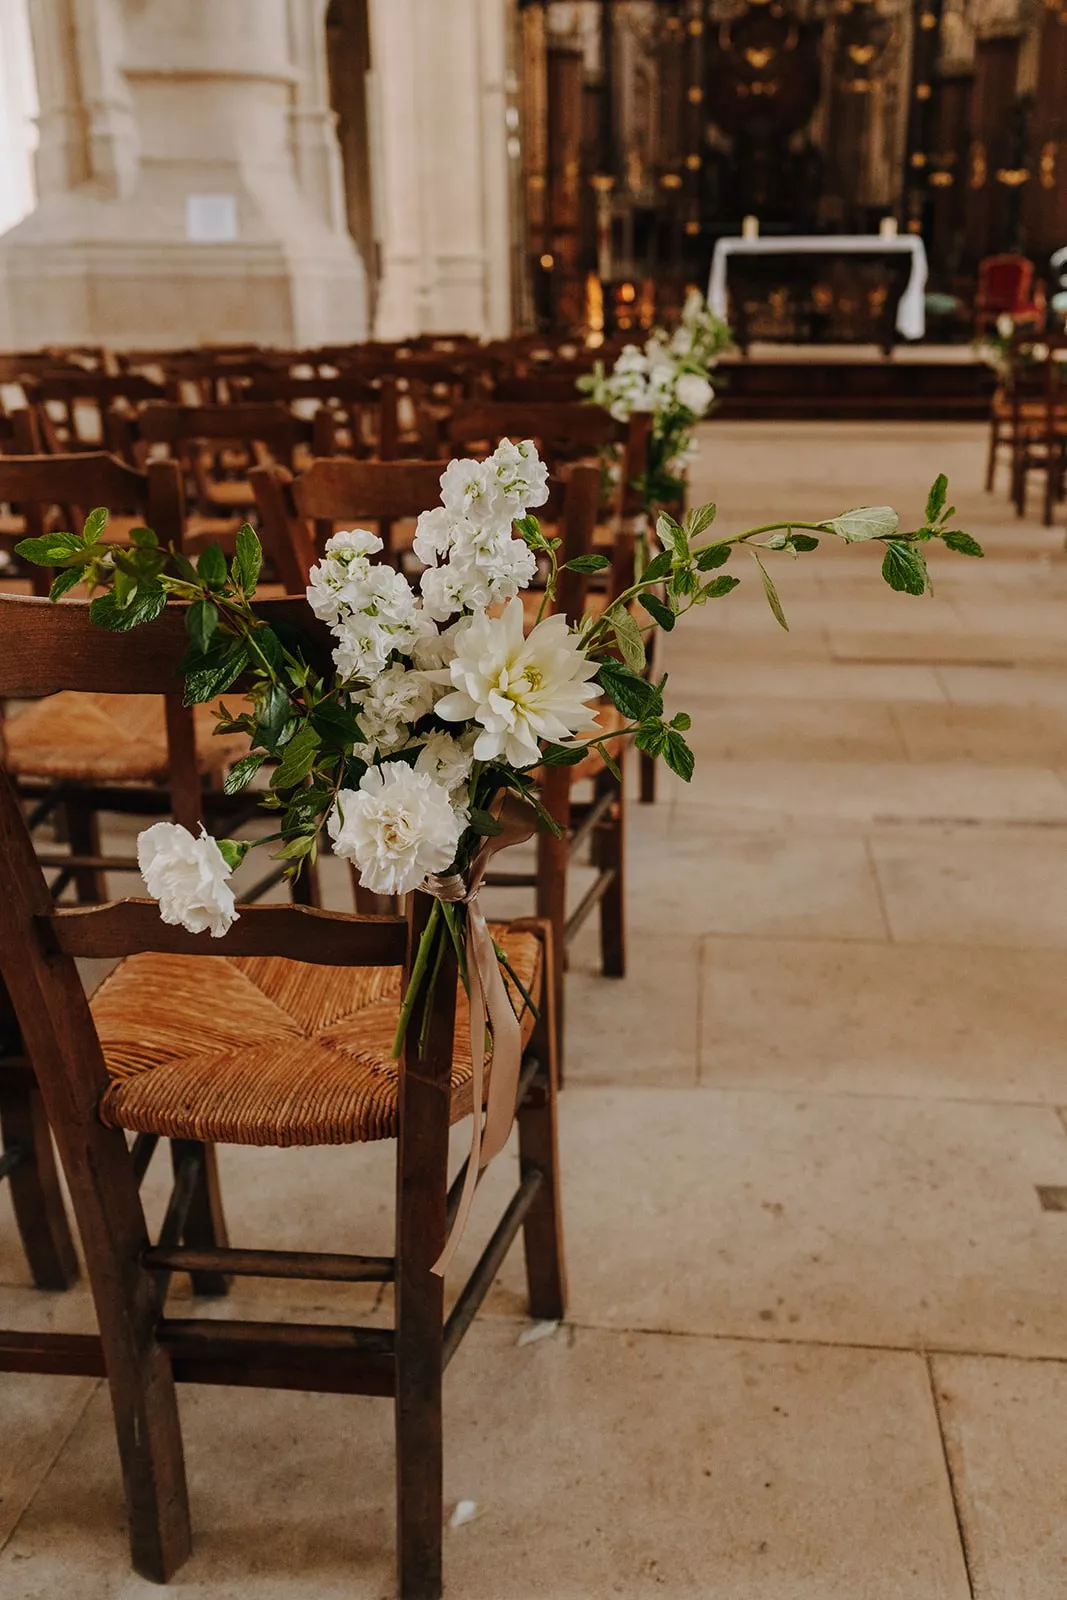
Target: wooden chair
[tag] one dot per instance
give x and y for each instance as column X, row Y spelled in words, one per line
column 216, row 446
column 363, row 410
column 1039, row 427
column 82, row 411
column 297, row 515
column 81, row 754
column 182, row 1042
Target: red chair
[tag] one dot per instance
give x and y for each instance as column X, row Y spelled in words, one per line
column 1006, row 284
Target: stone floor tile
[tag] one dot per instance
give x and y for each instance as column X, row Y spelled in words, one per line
column 945, row 648
column 1003, row 1427
column 1006, row 686
column 39, row 1414
column 799, row 731
column 983, row 735
column 641, row 1029
column 988, row 886
column 850, row 1219
column 605, row 1464
column 857, row 1018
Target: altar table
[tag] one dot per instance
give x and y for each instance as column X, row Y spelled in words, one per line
column 911, row 310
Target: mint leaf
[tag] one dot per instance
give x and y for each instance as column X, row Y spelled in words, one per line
column 935, row 500
column 248, row 559
column 242, row 772
column 298, row 758
column 586, row 564
column 143, row 605
column 65, row 581
column 201, row 620
column 211, row 567
column 904, row 568
column 962, row 543
column 866, row 522
column 660, row 611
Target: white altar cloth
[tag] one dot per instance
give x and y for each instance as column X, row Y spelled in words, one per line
column 911, row 311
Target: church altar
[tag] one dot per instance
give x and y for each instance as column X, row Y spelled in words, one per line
column 910, row 311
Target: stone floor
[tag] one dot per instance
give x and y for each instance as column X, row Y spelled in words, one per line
column 817, row 1344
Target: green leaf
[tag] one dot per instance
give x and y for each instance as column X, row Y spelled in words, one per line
column 683, row 722
column 586, row 564
column 144, row 538
column 671, row 536
column 272, row 715
column 652, row 738
column 634, row 696
column 712, row 556
column 65, row 581
column 144, row 605
column 608, row 760
column 266, row 644
column 201, row 621
column 215, row 672
column 866, row 522
column 935, row 500
column 242, row 772
column 485, row 823
column 804, row 541
column 700, row 520
column 962, row 542
column 678, row 756
column 248, row 559
column 659, row 610
column 295, row 849
column 298, row 758
column 720, row 586
column 95, row 523
column 771, row 592
column 338, row 724
column 628, row 637
column 185, row 567
column 562, row 755
column 657, row 568
column 51, row 550
column 211, row 567
column 904, row 568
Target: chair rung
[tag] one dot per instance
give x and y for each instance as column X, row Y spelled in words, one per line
column 593, row 894
column 299, row 1264
column 591, row 816
column 510, row 880
column 279, row 1355
column 490, row 1261
column 75, row 1355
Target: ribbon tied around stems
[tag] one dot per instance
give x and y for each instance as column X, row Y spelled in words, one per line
column 488, row 999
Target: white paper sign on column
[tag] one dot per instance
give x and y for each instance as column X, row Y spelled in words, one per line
column 211, row 218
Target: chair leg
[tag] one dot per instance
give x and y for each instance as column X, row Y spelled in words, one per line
column 35, row 1192
column 422, row 1175
column 83, row 833
column 553, row 857
column 991, row 458
column 610, row 855
column 205, row 1225
column 647, row 770
column 546, row 1276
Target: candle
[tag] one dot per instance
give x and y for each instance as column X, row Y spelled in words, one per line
column 750, row 227
column 888, row 227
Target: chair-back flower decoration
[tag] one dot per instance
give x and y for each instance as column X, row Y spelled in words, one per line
column 671, row 377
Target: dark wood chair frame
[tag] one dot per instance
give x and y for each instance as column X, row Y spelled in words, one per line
column 1039, row 429
column 141, row 1350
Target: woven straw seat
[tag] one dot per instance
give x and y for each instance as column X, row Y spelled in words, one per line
column 268, row 1051
column 106, row 738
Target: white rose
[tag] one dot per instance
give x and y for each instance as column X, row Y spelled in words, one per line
column 694, row 393
column 518, row 690
column 188, row 877
column 397, row 827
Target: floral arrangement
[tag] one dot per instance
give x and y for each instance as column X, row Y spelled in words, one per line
column 671, row 378
column 413, row 754
column 1000, row 349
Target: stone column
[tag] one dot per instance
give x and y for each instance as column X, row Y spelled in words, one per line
column 441, row 177
column 187, row 187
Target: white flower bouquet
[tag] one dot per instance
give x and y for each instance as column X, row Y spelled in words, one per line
column 441, row 705
column 671, row 378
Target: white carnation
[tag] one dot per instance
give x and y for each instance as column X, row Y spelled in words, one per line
column 518, row 690
column 189, row 878
column 694, row 393
column 447, row 760
column 397, row 827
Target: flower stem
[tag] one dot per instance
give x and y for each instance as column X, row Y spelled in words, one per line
column 418, row 974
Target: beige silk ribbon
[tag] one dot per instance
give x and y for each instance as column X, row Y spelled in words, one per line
column 488, row 997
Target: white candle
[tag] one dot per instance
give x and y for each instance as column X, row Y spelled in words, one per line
column 888, row 227
column 750, row 227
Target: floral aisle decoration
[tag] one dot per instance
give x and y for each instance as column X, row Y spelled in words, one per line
column 671, row 377
column 417, row 752
column 1001, row 348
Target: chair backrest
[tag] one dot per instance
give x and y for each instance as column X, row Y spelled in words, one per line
column 297, row 515
column 268, row 424
column 362, row 407
column 1005, row 282
column 73, row 409
column 45, row 648
column 560, row 429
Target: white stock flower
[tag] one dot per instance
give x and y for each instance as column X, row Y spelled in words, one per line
column 397, row 827
column 447, row 760
column 522, row 473
column 694, row 393
column 370, row 609
column 391, row 704
column 472, row 490
column 189, row 878
column 517, row 689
